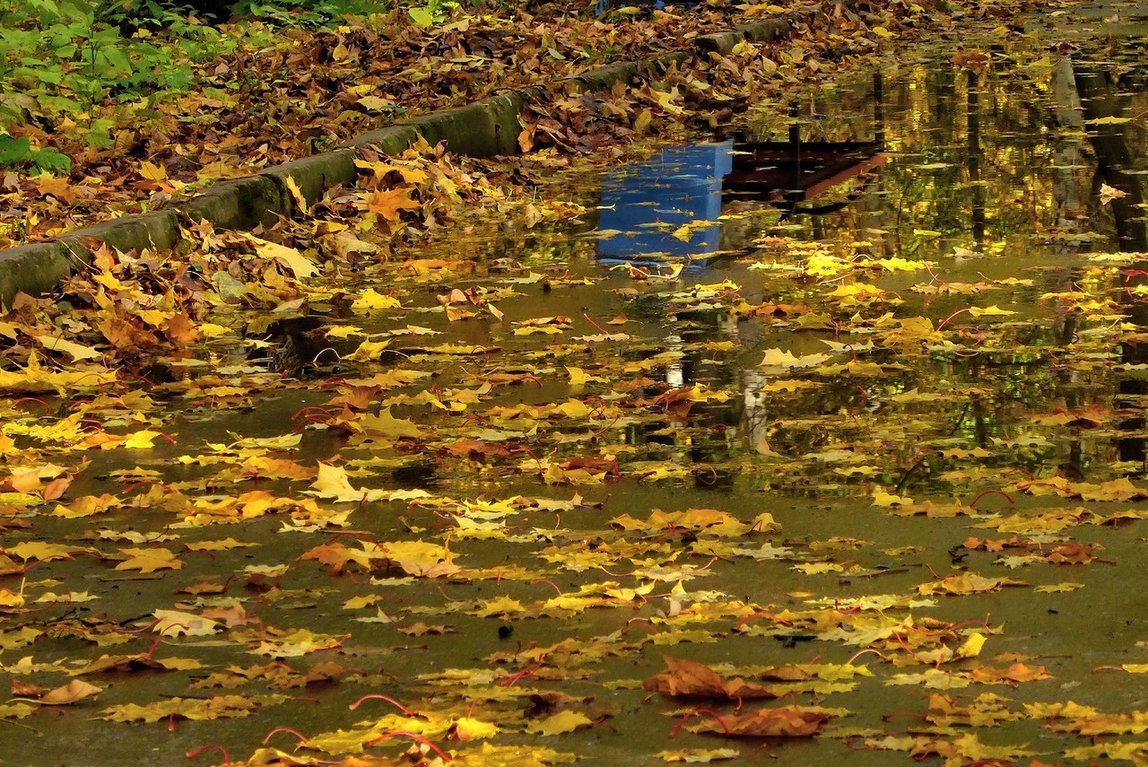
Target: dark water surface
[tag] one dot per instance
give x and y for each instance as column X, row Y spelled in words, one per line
column 951, row 250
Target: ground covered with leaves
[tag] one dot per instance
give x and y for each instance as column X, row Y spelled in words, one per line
column 430, row 475
column 93, row 123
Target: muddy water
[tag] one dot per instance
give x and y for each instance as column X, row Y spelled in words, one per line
column 1003, row 171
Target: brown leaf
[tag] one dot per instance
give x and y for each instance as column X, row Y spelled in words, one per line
column 691, row 679
column 767, row 723
column 71, row 692
column 22, row 689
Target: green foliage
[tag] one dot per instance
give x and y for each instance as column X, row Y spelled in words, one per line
column 71, row 54
column 71, row 60
column 307, row 13
column 432, row 12
column 18, row 153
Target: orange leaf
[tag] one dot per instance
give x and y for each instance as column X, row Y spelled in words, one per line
column 389, row 203
column 690, row 679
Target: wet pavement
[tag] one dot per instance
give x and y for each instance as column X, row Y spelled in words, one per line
column 844, row 396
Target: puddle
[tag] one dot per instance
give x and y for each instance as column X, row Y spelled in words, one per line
column 903, row 327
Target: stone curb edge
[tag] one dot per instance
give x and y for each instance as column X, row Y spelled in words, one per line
column 485, row 128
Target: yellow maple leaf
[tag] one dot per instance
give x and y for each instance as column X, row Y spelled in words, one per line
column 425, row 560
column 177, row 623
column 386, row 425
column 501, row 607
column 152, row 172
column 74, row 350
column 371, row 301
column 141, row 440
column 467, row 728
column 332, row 483
column 562, row 722
column 149, row 560
column 300, row 265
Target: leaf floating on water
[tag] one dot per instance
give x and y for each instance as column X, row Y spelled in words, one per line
column 560, row 723
column 792, row 722
column 73, row 691
column 965, row 583
column 699, row 755
column 690, row 679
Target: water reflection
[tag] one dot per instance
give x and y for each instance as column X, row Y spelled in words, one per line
column 670, row 206
column 1108, row 104
column 1002, row 178
column 644, row 206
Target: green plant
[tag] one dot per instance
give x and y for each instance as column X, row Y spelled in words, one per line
column 18, row 153
column 308, row 13
column 432, row 12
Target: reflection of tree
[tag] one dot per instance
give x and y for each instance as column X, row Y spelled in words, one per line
column 1066, row 192
column 1104, row 109
column 993, row 178
column 1105, row 102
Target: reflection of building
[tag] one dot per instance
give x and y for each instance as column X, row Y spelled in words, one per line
column 669, row 206
column 789, row 173
column 643, row 204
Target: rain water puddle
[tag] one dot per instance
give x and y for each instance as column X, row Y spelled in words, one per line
column 849, row 406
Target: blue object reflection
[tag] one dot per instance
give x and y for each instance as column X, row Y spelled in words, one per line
column 645, row 203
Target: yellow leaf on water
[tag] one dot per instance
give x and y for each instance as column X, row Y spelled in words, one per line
column 897, row 264
column 818, row 568
column 989, row 311
column 332, row 483
column 501, row 607
column 573, row 408
column 343, row 331
column 368, row 351
column 1056, row 588
column 466, row 728
column 141, row 440
column 578, row 376
column 386, row 425
column 178, row 623
column 972, row 646
column 211, row 330
column 75, row 690
column 36, row 378
column 371, row 301
column 698, row 755
column 884, row 499
column 787, row 360
column 39, row 551
column 74, row 350
column 1110, row 193
column 149, row 560
column 562, row 722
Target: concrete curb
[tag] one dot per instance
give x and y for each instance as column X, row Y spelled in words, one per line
column 483, row 129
